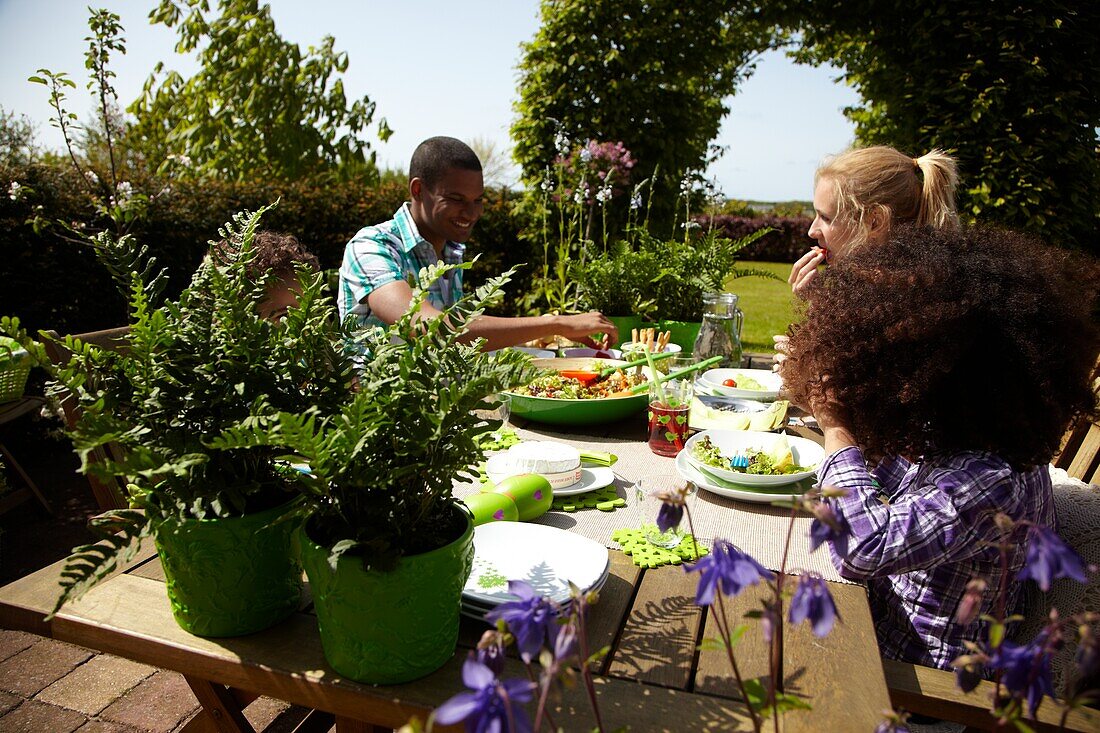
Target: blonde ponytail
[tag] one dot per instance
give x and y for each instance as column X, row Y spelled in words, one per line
column 905, row 189
column 937, row 199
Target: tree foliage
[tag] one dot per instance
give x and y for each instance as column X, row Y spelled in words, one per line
column 651, row 74
column 258, row 106
column 1007, row 87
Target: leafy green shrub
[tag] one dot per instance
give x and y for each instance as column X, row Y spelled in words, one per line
column 786, row 240
column 57, row 284
column 689, row 267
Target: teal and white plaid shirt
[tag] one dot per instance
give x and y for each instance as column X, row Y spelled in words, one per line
column 388, row 252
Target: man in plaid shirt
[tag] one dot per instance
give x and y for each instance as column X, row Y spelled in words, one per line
column 381, row 262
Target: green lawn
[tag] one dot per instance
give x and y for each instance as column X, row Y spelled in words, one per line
column 769, row 305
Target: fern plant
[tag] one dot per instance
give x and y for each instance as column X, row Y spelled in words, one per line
column 688, row 268
column 612, row 282
column 381, row 471
column 192, row 369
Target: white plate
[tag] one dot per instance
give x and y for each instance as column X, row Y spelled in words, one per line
column 713, row 378
column 585, row 352
column 729, row 442
column 476, row 611
column 546, row 557
column 537, row 353
column 688, row 472
column 592, row 478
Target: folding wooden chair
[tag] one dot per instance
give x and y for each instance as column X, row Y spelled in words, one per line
column 108, row 494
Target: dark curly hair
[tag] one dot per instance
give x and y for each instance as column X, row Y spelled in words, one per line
column 939, row 342
column 274, row 252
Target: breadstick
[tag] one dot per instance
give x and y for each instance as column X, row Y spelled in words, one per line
column 634, row 335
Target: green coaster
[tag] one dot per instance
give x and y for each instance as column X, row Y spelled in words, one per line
column 605, row 499
column 495, row 440
column 645, row 555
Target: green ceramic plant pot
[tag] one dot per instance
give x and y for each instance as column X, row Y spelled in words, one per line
column 683, row 333
column 625, row 324
column 389, row 627
column 231, row 576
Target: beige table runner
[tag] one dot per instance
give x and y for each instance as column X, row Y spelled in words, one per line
column 758, row 529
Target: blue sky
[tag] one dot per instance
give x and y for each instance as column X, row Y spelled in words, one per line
column 433, row 68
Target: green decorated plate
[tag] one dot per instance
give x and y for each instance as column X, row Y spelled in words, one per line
column 553, row 411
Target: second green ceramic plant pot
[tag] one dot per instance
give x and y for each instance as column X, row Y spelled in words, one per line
column 390, row 627
column 230, row 576
column 683, row 333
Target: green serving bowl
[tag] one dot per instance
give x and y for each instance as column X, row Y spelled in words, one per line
column 577, row 412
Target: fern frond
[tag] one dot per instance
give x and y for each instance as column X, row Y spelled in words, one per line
column 130, row 265
column 119, row 534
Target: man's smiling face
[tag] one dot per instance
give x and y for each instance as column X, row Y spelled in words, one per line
column 448, row 209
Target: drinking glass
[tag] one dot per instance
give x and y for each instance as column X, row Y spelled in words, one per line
column 669, row 406
column 651, row 505
column 502, row 411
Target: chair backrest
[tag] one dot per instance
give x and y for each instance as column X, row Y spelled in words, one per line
column 1080, row 452
column 1078, row 508
column 108, row 494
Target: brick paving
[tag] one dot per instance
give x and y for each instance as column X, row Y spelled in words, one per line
column 48, row 686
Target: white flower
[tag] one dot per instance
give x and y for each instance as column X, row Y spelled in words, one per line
column 184, row 160
column 561, row 142
column 91, row 177
column 125, row 191
column 14, row 190
column 604, row 194
column 581, row 194
column 586, row 155
column 636, row 201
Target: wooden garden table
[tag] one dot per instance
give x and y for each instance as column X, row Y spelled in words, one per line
column 653, row 678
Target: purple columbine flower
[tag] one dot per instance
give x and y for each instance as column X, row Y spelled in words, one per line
column 971, row 604
column 490, row 651
column 532, row 619
column 1025, row 670
column 826, row 525
column 669, row 516
column 672, row 506
column 1048, row 557
column 491, row 704
column 812, row 601
column 728, row 569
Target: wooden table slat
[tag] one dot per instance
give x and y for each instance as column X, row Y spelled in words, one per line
column 657, row 644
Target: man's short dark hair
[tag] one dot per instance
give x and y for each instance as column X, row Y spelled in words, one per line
column 434, row 156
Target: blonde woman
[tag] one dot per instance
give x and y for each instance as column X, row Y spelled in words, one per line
column 860, row 194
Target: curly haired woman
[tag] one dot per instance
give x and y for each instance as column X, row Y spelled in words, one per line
column 954, row 361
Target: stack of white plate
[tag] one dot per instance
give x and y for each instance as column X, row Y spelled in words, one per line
column 545, row 557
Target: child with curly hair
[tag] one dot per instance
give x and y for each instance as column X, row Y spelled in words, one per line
column 953, row 361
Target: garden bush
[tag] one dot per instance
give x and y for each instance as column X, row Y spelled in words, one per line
column 787, row 243
column 53, row 283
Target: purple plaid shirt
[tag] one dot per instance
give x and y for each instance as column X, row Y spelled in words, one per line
column 920, row 532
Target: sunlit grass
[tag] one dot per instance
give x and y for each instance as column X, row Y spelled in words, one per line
column 769, row 305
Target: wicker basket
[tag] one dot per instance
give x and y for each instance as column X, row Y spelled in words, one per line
column 15, row 366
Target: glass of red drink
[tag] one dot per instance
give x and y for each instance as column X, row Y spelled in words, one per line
column 669, row 404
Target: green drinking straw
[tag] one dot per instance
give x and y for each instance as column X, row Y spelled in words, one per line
column 661, row 398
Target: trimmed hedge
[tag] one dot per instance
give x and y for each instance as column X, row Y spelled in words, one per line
column 787, row 243
column 52, row 283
